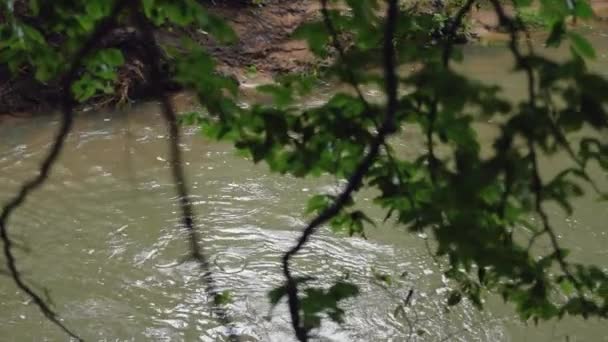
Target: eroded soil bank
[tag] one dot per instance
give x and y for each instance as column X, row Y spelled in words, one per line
column 265, row 47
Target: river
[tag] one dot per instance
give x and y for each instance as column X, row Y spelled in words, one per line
column 100, row 238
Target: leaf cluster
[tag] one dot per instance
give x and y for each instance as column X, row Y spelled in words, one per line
column 478, row 206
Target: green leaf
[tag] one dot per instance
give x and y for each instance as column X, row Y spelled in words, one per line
column 342, row 290
column 318, row 203
column 581, row 45
column 219, row 29
column 316, row 36
column 454, row 298
column 282, row 96
column 112, row 57
column 567, row 286
column 523, row 3
column 275, row 295
column 558, row 30
column 382, row 277
column 223, row 298
column 582, row 9
column 34, row 7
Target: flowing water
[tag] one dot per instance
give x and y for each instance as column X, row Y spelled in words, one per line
column 100, row 240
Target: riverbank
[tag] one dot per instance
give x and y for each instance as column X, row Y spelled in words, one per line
column 264, row 48
column 104, row 243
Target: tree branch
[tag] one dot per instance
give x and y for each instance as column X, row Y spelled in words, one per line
column 454, row 25
column 335, row 40
column 519, row 58
column 536, row 183
column 352, row 81
column 537, row 188
column 102, row 28
column 447, row 52
column 355, row 180
column 153, row 56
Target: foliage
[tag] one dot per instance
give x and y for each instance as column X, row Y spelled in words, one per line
column 42, row 37
column 479, row 207
column 318, row 301
column 531, row 18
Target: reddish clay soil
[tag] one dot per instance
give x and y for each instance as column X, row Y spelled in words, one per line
column 265, row 36
column 265, row 44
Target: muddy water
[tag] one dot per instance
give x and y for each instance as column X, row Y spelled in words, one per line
column 100, row 239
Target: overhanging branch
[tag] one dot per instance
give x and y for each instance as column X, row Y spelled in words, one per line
column 354, row 182
column 102, row 28
column 153, row 58
column 536, row 184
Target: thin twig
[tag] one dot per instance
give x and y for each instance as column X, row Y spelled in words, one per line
column 560, row 137
column 335, row 40
column 536, row 183
column 519, row 58
column 537, row 187
column 433, row 161
column 355, row 180
column 352, row 81
column 153, row 56
column 101, row 29
column 454, row 25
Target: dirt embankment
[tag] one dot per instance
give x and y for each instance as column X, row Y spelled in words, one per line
column 265, row 36
column 264, row 44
